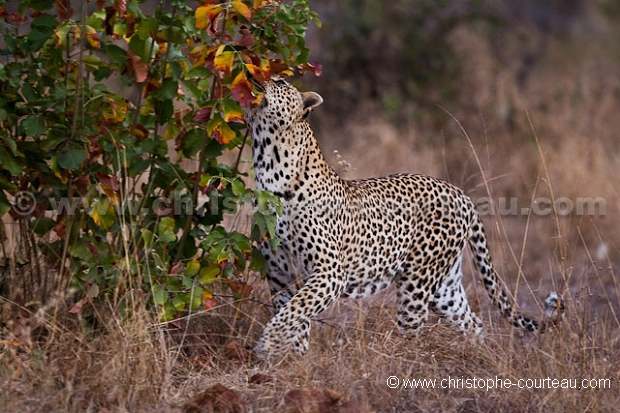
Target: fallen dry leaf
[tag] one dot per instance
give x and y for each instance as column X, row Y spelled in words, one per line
column 216, row 398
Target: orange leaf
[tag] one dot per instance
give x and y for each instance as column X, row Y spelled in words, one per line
column 241, row 90
column 260, row 73
column 114, row 197
column 209, row 301
column 242, row 9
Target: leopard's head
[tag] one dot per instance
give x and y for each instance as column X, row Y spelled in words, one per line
column 282, row 106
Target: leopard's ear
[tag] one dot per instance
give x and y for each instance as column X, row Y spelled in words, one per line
column 310, row 101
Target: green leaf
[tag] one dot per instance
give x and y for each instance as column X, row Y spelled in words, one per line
column 6, row 185
column 238, row 187
column 198, row 72
column 258, row 263
column 34, row 126
column 117, row 55
column 72, row 158
column 5, row 205
column 79, row 250
column 41, row 5
column 165, row 112
column 197, row 296
column 167, row 90
column 143, row 48
column 147, row 237
column 192, row 142
column 180, row 301
column 167, row 312
column 160, row 296
column 165, row 230
column 43, row 225
column 192, row 268
column 10, row 163
column 147, row 27
column 208, row 275
column 59, row 92
column 29, row 92
column 42, row 29
column 103, row 214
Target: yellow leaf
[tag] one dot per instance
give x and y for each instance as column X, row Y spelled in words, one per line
column 93, row 37
column 206, row 14
column 113, row 196
column 102, row 212
column 198, row 55
column 223, row 62
column 115, row 110
column 233, row 115
column 220, row 131
column 242, row 9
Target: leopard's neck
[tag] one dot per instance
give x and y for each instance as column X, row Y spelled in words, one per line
column 285, row 162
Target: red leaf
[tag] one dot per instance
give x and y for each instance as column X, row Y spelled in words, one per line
column 242, row 90
column 64, row 11
column 91, row 248
column 210, row 303
column 82, row 184
column 175, row 268
column 61, row 226
column 247, row 38
column 110, row 12
column 109, row 180
column 278, row 66
column 77, row 307
column 315, row 68
column 137, row 66
column 241, row 290
column 203, row 115
column 121, row 7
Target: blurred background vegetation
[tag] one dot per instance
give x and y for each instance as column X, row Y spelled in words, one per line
column 402, row 80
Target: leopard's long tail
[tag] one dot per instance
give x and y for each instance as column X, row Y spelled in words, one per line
column 496, row 289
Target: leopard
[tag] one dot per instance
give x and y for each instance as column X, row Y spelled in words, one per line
column 355, row 238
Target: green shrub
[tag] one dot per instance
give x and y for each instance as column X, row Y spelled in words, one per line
column 89, row 172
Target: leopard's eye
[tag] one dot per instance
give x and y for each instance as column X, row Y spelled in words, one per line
column 280, row 82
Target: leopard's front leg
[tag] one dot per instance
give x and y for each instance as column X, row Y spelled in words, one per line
column 288, row 330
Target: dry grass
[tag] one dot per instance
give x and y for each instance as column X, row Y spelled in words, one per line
column 52, row 361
